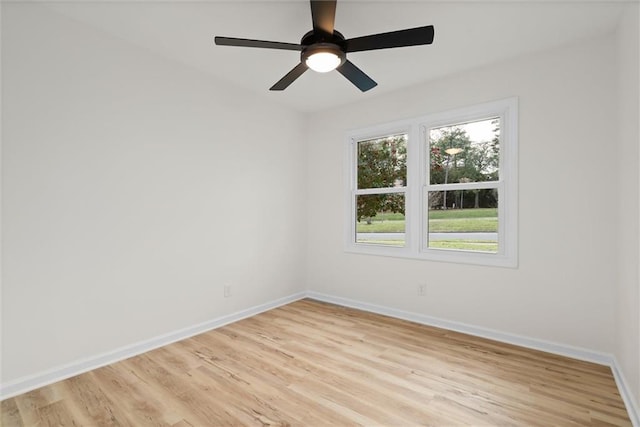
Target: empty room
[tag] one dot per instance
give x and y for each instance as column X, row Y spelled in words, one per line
column 309, row 213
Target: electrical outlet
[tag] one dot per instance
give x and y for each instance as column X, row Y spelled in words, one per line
column 422, row 290
column 227, row 291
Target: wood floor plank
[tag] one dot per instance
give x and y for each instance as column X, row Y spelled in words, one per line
column 195, row 406
column 312, row 363
column 93, row 403
column 57, row 414
column 141, row 407
column 272, row 378
column 10, row 414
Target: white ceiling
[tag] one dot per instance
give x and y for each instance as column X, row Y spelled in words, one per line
column 467, row 35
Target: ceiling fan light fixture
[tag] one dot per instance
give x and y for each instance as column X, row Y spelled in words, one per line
column 323, row 57
column 323, row 62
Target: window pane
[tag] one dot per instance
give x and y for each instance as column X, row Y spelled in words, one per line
column 382, row 162
column 470, row 221
column 465, row 152
column 380, row 219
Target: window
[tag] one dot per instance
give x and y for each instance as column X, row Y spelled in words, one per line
column 381, row 177
column 440, row 187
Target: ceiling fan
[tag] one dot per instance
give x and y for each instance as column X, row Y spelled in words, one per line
column 324, row 49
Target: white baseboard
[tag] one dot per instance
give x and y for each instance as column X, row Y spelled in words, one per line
column 31, row 382
column 536, row 344
column 627, row 397
column 550, row 347
column 25, row 384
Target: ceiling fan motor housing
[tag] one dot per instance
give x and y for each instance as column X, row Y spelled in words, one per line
column 313, row 43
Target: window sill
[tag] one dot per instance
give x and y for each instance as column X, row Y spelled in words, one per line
column 438, row 255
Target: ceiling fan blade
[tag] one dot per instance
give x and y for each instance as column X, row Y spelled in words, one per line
column 401, row 38
column 291, row 76
column 232, row 41
column 356, row 76
column 323, row 14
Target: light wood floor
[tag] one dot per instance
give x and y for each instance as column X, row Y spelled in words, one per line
column 316, row 364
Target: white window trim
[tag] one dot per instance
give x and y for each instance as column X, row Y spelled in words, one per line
column 417, row 179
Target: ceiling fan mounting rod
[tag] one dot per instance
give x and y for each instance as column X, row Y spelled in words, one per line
column 313, row 37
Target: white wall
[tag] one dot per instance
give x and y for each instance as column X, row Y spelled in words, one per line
column 133, row 188
column 628, row 303
column 563, row 289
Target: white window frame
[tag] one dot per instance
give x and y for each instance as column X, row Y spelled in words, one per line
column 418, row 184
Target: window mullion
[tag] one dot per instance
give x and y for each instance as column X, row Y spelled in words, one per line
column 413, row 199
